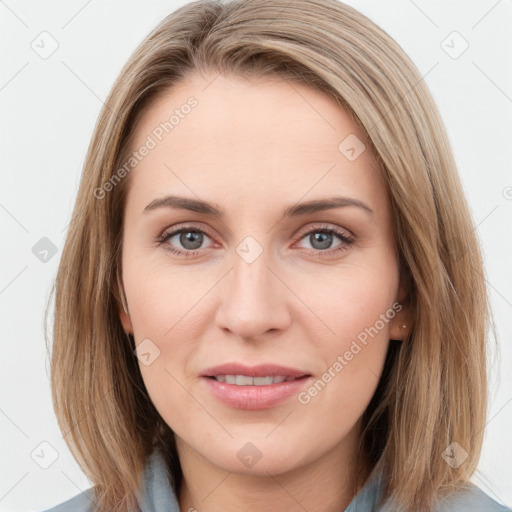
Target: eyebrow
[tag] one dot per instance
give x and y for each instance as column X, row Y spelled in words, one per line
column 295, row 210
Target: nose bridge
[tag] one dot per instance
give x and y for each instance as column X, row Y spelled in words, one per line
column 252, row 281
column 250, row 269
column 252, row 300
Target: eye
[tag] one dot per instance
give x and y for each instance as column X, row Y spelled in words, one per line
column 188, row 240
column 321, row 240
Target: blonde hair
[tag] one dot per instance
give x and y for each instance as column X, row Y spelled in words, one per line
column 433, row 388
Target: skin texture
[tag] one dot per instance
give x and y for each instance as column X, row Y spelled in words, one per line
column 255, row 147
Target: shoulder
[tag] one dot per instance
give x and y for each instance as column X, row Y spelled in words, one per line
column 155, row 493
column 83, row 502
column 471, row 499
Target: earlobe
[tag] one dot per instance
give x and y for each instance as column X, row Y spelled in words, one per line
column 401, row 325
column 398, row 329
column 126, row 322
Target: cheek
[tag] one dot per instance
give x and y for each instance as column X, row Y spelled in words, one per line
column 355, row 318
column 167, row 308
column 165, row 299
column 348, row 303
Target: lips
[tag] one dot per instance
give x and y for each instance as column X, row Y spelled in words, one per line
column 254, row 387
column 262, row 370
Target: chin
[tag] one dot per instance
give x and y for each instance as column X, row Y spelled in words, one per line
column 257, row 456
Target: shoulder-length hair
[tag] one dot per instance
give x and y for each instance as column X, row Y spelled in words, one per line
column 433, row 389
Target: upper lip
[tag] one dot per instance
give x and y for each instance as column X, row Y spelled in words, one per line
column 261, row 370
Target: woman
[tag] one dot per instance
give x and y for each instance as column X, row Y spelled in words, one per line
column 271, row 295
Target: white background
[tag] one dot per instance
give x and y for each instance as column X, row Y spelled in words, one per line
column 49, row 108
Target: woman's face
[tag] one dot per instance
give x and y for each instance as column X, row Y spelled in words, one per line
column 260, row 277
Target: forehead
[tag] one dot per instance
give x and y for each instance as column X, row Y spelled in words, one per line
column 268, row 111
column 225, row 134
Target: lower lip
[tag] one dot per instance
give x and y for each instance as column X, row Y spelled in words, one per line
column 255, row 397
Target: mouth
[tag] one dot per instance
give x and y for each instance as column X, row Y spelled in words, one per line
column 242, row 373
column 246, row 380
column 257, row 387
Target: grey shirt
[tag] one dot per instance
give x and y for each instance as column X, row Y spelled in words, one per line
column 156, row 495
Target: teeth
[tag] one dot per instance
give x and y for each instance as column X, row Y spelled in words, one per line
column 244, row 380
column 264, row 381
column 240, row 380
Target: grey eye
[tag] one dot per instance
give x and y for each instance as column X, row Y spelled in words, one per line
column 189, row 239
column 321, row 239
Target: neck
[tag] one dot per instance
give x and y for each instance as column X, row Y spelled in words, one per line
column 325, row 485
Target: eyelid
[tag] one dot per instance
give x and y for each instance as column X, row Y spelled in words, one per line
column 185, row 225
column 324, row 226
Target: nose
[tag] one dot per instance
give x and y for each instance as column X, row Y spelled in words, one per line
column 254, row 300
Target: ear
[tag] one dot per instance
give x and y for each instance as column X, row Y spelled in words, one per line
column 122, row 304
column 401, row 324
column 126, row 321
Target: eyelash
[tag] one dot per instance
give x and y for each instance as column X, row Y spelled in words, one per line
column 345, row 239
